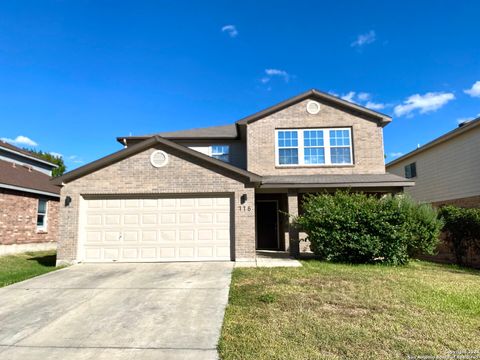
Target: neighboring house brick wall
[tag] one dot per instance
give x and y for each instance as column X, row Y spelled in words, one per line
column 18, row 219
column 135, row 175
column 446, row 171
column 367, row 136
column 468, row 202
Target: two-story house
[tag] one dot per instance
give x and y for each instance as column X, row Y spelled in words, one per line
column 446, row 170
column 221, row 193
column 28, row 201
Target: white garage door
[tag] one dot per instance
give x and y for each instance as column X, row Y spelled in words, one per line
column 139, row 230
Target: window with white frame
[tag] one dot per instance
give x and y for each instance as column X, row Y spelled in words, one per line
column 221, row 152
column 287, row 147
column 313, row 147
column 42, row 215
column 340, row 149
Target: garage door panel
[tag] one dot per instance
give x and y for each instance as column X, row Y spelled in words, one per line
column 113, row 204
column 165, row 229
column 168, row 218
column 222, row 251
column 149, row 236
column 149, row 219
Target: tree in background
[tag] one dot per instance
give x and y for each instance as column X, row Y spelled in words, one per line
column 57, row 160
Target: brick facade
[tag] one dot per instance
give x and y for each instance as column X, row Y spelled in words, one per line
column 18, row 218
column 367, row 136
column 136, row 176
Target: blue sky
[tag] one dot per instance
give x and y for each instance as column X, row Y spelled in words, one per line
column 76, row 74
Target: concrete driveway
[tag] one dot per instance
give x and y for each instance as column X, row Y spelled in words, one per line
column 116, row 311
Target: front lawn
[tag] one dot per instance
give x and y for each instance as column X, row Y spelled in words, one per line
column 335, row 311
column 18, row 267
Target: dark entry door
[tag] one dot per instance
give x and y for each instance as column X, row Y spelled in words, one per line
column 267, row 225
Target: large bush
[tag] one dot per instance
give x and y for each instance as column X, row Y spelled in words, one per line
column 360, row 228
column 462, row 227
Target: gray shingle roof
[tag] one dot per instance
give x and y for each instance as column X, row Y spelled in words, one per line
column 211, row 132
column 346, row 180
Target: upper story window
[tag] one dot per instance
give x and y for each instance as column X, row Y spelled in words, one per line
column 314, row 147
column 42, row 215
column 287, row 147
column 221, row 152
column 411, row 170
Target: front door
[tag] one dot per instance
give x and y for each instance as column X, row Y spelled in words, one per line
column 267, row 225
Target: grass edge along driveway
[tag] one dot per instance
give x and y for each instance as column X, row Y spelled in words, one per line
column 19, row 267
column 338, row 311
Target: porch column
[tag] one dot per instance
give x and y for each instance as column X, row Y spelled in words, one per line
column 291, row 237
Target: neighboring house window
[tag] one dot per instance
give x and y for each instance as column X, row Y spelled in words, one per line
column 221, row 152
column 287, row 147
column 42, row 215
column 411, row 170
column 314, row 147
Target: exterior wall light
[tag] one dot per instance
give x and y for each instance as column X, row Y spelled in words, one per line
column 243, row 199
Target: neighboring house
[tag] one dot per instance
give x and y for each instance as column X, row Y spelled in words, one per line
column 220, row 193
column 28, row 202
column 447, row 169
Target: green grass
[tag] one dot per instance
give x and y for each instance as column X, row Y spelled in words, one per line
column 19, row 267
column 337, row 311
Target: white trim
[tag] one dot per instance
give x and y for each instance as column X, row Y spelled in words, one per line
column 28, row 157
column 154, row 163
column 33, row 191
column 313, row 111
column 326, row 146
column 44, row 227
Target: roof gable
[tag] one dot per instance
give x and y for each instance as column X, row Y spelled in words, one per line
column 200, row 159
column 321, row 96
column 25, row 154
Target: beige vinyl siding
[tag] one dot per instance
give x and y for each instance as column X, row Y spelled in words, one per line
column 446, row 171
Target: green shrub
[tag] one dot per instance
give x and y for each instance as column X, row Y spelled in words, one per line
column 360, row 228
column 462, row 227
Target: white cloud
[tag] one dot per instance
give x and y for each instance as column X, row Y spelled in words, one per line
column 374, row 106
column 75, row 159
column 231, row 30
column 395, row 154
column 467, row 119
column 364, row 39
column 474, row 91
column 349, row 96
column 20, row 140
column 425, row 103
column 364, row 96
column 53, row 153
column 270, row 73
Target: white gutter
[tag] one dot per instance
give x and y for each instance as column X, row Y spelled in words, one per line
column 33, row 191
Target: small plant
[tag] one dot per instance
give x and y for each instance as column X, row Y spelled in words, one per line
column 361, row 228
column 267, row 298
column 462, row 228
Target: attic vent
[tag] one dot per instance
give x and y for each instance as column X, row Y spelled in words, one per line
column 159, row 158
column 313, row 107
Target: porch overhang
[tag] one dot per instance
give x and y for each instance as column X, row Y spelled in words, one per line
column 363, row 181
